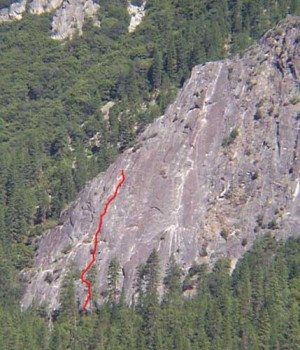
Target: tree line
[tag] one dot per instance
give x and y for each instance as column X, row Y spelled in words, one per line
column 256, row 307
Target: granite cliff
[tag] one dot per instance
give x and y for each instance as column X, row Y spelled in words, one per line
column 219, row 169
column 69, row 16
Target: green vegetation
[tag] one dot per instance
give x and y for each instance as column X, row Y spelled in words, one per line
column 257, row 307
column 227, row 141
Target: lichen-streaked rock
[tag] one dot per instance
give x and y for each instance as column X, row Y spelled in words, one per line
column 225, row 152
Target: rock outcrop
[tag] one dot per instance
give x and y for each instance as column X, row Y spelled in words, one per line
column 68, row 19
column 69, row 15
column 13, row 12
column 136, row 13
column 219, row 169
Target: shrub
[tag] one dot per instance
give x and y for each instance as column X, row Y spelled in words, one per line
column 294, row 100
column 225, row 234
column 230, row 71
column 258, row 115
column 48, row 278
column 244, row 242
column 260, row 220
column 227, row 141
column 272, row 225
column 254, row 176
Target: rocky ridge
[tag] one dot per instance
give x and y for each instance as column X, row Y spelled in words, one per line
column 68, row 19
column 69, row 15
column 219, row 169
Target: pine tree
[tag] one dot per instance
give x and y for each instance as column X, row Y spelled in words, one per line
column 151, row 305
column 127, row 135
column 152, row 275
column 68, row 316
column 214, row 42
column 81, row 168
column 113, row 276
column 43, row 203
column 295, row 7
column 293, row 336
column 257, row 292
column 172, row 280
column 264, row 330
column 140, row 288
column 244, row 292
column 131, row 84
column 156, row 69
column 170, row 62
column 182, row 56
column 3, row 233
column 114, row 127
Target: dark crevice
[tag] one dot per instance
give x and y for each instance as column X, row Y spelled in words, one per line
column 277, row 137
column 292, row 69
column 157, row 209
column 295, row 148
column 196, row 106
column 279, row 67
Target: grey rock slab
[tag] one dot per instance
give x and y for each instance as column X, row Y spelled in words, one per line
column 186, row 194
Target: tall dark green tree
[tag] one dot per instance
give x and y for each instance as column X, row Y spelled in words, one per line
column 113, row 277
column 170, row 59
column 172, row 280
column 156, row 69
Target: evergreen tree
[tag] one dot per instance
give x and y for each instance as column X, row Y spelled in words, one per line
column 214, row 42
column 293, row 335
column 66, row 334
column 170, row 60
column 131, row 84
column 264, row 330
column 81, row 168
column 113, row 276
column 295, row 7
column 156, row 69
column 172, row 280
column 151, row 305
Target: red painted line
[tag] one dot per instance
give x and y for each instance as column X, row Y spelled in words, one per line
column 90, row 264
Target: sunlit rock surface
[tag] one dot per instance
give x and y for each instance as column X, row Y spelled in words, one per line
column 137, row 13
column 192, row 189
column 13, row 12
column 69, row 15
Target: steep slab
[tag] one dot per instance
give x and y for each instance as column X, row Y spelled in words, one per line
column 192, row 189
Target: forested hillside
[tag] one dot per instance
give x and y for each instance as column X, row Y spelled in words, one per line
column 55, row 136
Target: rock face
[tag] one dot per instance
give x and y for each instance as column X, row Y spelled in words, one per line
column 13, row 12
column 69, row 15
column 220, row 168
column 137, row 14
column 68, row 19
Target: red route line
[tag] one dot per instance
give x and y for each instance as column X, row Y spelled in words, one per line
column 90, row 264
